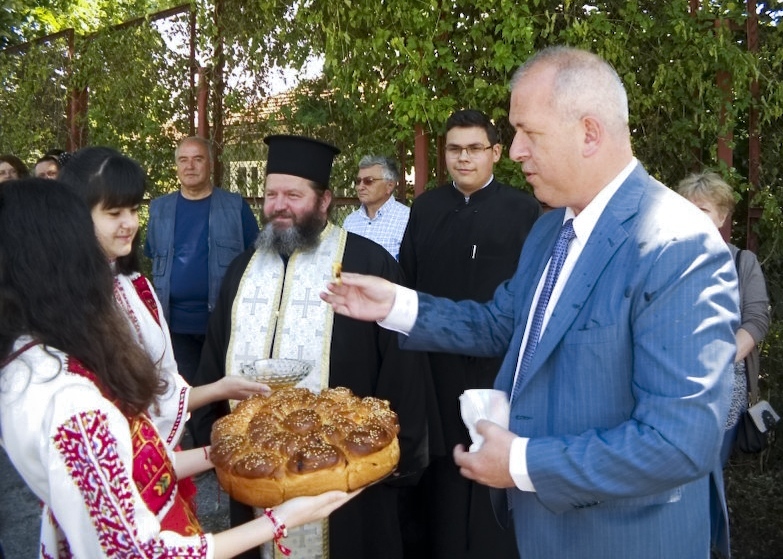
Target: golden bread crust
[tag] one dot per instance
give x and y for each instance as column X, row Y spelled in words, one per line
column 293, row 443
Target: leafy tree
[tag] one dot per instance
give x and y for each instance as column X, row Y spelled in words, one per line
column 22, row 21
column 397, row 64
column 390, row 67
column 137, row 86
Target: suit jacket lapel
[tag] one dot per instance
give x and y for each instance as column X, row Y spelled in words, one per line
column 607, row 237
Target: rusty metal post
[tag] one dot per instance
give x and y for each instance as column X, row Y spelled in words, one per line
column 76, row 117
column 420, row 164
column 202, row 103
column 723, row 80
column 441, row 171
column 402, row 186
column 218, row 78
column 754, row 142
column 725, row 152
column 194, row 70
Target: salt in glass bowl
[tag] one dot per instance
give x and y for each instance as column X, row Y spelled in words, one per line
column 277, row 373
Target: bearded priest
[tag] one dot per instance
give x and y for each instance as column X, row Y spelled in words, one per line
column 269, row 306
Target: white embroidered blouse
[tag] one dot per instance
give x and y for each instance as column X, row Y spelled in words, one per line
column 73, row 448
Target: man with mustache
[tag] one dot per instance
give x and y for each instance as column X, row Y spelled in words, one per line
column 269, row 307
column 192, row 236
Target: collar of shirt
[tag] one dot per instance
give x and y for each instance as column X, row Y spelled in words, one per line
column 585, row 222
column 467, row 198
column 386, row 205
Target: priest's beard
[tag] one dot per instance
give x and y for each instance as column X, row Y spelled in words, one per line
column 302, row 235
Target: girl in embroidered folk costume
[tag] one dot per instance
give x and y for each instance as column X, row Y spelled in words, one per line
column 113, row 187
column 75, row 390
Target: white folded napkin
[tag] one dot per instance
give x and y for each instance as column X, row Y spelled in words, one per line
column 483, row 403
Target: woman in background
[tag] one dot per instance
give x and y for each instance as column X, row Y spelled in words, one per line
column 49, row 164
column 710, row 193
column 75, row 388
column 11, row 167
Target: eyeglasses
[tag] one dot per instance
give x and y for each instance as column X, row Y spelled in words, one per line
column 366, row 181
column 473, row 150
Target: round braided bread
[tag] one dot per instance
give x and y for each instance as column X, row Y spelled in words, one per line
column 294, row 442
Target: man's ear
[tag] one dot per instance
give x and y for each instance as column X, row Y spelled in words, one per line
column 325, row 201
column 497, row 151
column 594, row 131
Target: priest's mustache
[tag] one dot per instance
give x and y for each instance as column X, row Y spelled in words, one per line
column 283, row 213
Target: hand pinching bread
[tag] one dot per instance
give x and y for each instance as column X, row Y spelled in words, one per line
column 337, row 272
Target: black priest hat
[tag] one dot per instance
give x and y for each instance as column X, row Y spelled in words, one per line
column 301, row 157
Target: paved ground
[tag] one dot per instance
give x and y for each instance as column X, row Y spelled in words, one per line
column 20, row 511
column 20, row 514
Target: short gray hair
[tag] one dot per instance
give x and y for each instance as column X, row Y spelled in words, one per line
column 584, row 84
column 196, row 140
column 387, row 164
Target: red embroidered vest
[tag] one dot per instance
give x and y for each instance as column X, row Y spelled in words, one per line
column 153, row 471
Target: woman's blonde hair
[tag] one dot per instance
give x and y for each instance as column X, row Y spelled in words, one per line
column 708, row 186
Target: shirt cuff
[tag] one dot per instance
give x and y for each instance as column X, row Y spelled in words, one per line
column 518, row 465
column 404, row 311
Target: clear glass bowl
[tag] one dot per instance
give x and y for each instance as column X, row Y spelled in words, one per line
column 277, row 373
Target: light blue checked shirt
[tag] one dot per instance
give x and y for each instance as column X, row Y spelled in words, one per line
column 386, row 228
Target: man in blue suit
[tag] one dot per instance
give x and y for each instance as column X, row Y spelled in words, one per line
column 618, row 409
column 617, row 413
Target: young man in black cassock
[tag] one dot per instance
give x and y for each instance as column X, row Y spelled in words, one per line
column 463, row 240
column 269, row 306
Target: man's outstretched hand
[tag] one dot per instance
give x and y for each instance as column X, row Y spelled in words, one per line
column 361, row 297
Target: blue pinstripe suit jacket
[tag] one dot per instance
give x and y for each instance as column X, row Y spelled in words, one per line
column 627, row 395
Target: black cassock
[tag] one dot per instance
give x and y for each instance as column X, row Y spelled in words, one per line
column 367, row 359
column 462, row 250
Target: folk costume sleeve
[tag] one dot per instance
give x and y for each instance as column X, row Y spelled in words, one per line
column 74, row 449
column 142, row 308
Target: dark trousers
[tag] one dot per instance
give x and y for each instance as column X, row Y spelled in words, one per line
column 719, row 537
column 451, row 517
column 187, row 354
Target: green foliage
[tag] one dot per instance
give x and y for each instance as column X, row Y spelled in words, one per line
column 137, row 82
column 22, row 21
column 390, row 66
column 144, row 113
column 34, row 103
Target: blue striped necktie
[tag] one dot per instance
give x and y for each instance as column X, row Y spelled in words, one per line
column 559, row 253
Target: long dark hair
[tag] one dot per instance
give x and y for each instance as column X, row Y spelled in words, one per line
column 56, row 286
column 102, row 175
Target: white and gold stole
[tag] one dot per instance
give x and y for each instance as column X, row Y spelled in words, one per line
column 277, row 312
